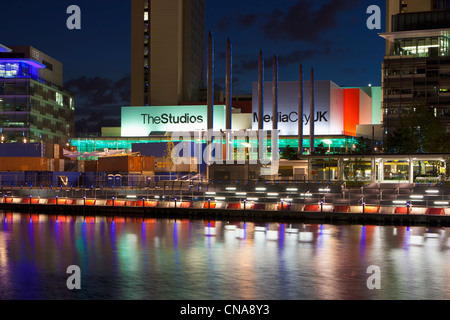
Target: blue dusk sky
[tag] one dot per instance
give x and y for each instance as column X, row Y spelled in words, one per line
column 330, row 36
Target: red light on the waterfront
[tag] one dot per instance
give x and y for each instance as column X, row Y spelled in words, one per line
column 89, row 219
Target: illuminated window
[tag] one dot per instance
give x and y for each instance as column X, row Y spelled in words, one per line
column 9, row 70
column 59, row 99
column 145, row 16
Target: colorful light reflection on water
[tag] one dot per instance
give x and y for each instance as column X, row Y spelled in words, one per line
column 135, row 258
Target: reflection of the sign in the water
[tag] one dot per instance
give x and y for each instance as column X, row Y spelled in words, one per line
column 189, row 259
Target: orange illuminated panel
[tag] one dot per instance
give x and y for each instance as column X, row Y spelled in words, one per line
column 131, row 203
column 402, row 210
column 62, row 201
column 211, row 205
column 234, row 206
column 51, row 201
column 435, row 211
column 151, row 204
column 351, row 110
column 186, row 205
column 311, row 208
column 70, row 201
column 34, row 200
column 285, row 207
column 371, row 209
column 119, row 203
column 341, row 209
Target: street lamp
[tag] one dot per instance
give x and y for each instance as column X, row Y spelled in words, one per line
column 329, row 143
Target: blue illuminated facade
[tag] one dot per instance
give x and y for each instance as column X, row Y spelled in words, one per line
column 32, row 107
column 18, row 68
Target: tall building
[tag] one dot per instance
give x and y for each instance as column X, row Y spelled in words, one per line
column 167, row 51
column 416, row 67
column 34, row 107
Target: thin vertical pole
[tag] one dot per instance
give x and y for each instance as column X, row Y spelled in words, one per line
column 275, row 109
column 312, row 114
column 300, row 112
column 210, row 99
column 229, row 96
column 261, row 104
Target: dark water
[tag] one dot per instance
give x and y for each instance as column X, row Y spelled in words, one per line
column 168, row 259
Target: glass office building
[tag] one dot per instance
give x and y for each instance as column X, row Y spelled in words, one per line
column 416, row 68
column 34, row 107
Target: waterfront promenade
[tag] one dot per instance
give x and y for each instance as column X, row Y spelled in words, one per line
column 392, row 204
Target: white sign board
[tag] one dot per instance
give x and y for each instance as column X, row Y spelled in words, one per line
column 141, row 121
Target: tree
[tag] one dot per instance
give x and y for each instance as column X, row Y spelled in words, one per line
column 419, row 131
column 321, row 149
column 362, row 146
column 289, row 153
column 402, row 141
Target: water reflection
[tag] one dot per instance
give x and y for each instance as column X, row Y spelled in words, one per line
column 132, row 258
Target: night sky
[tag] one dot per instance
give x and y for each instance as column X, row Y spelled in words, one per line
column 330, row 36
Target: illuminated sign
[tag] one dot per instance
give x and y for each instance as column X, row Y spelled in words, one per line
column 293, row 117
column 168, row 118
column 328, row 113
column 142, row 121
